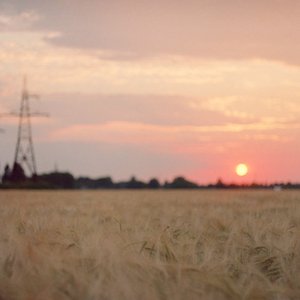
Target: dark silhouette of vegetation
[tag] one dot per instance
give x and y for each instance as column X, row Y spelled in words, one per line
column 181, row 183
column 17, row 173
column 135, row 184
column 88, row 183
column 16, row 178
column 6, row 174
column 220, row 184
column 153, row 184
column 57, row 180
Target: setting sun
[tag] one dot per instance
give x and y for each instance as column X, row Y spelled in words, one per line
column 241, row 170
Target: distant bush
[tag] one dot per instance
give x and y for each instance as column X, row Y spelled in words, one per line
column 57, row 180
column 181, row 183
column 88, row 183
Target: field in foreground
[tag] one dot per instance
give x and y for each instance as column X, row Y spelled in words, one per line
column 149, row 245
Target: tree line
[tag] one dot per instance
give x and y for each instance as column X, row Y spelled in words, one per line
column 16, row 178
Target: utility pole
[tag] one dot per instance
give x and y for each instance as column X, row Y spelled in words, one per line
column 24, row 152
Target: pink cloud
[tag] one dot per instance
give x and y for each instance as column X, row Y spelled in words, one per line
column 180, row 137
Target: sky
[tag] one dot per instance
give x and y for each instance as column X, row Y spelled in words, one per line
column 155, row 88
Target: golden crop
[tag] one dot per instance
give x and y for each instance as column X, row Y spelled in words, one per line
column 149, row 245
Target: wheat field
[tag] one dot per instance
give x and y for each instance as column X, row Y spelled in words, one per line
column 149, row 245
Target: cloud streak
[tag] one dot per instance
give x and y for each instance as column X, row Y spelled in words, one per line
column 142, row 133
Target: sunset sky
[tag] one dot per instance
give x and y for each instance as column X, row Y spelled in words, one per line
column 156, row 88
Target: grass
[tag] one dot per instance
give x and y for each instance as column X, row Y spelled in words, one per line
column 149, row 245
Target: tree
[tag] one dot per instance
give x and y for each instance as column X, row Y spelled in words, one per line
column 220, row 184
column 182, row 183
column 88, row 183
column 57, row 180
column 135, row 184
column 6, row 175
column 153, row 184
column 17, row 174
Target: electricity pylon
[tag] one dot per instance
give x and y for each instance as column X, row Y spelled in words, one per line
column 24, row 153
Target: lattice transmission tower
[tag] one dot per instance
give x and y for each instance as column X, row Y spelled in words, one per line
column 24, row 152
